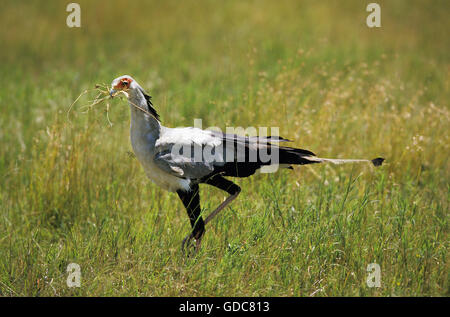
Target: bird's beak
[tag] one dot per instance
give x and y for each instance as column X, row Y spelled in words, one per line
column 112, row 92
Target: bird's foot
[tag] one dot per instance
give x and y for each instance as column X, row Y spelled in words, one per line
column 190, row 245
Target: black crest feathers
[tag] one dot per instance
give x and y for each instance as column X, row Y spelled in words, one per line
column 150, row 106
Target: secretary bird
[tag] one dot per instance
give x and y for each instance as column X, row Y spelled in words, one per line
column 168, row 160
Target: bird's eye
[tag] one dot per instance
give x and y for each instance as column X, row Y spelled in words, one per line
column 124, row 83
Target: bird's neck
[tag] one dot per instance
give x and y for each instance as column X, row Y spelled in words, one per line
column 143, row 123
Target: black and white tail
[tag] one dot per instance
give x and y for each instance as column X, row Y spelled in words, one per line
column 295, row 156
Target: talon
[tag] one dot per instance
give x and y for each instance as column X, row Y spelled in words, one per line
column 186, row 244
column 198, row 242
column 188, row 239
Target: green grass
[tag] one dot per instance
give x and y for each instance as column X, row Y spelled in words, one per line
column 71, row 192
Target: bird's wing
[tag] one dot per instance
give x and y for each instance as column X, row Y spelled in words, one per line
column 250, row 139
column 179, row 152
column 195, row 153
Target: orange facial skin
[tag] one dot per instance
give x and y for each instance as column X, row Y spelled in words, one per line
column 123, row 84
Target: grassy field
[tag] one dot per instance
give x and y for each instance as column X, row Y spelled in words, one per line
column 71, row 191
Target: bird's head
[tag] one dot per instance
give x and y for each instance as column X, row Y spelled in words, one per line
column 123, row 83
column 135, row 94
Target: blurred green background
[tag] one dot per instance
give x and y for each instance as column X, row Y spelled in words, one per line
column 71, row 191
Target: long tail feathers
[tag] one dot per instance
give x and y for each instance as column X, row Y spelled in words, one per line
column 289, row 155
column 376, row 162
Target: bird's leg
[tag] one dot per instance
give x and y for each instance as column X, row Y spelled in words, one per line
column 226, row 185
column 191, row 201
column 221, row 206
